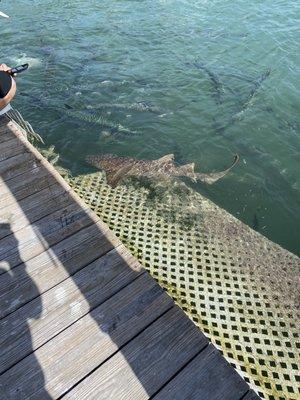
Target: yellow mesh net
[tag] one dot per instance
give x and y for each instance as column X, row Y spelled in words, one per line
column 237, row 286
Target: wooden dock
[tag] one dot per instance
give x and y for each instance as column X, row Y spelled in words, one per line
column 80, row 318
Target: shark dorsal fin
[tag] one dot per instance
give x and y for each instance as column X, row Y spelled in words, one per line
column 189, row 168
column 114, row 179
column 166, row 159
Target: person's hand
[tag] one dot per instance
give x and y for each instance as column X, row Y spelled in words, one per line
column 4, row 67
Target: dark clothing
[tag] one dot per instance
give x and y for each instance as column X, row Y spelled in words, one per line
column 5, row 83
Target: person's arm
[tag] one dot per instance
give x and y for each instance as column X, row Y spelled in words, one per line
column 12, row 91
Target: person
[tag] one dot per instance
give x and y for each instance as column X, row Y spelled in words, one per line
column 7, row 88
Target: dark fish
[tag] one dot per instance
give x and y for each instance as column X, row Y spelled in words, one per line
column 239, row 77
column 116, row 128
column 257, row 85
column 215, row 80
column 95, row 119
column 117, row 168
column 245, row 105
column 140, row 107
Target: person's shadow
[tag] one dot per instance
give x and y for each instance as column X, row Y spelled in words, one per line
column 30, row 314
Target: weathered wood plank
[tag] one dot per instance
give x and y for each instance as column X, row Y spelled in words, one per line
column 5, row 132
column 31, row 279
column 17, row 165
column 11, row 148
column 207, row 377
column 24, row 185
column 39, row 236
column 64, row 304
column 12, row 128
column 32, row 208
column 95, row 337
column 146, row 363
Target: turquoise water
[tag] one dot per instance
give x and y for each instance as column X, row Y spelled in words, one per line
column 186, row 76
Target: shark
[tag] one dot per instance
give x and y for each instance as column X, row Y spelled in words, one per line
column 164, row 168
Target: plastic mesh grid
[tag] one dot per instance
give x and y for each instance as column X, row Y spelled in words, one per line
column 237, row 286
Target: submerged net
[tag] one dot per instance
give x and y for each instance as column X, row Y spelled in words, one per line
column 237, row 286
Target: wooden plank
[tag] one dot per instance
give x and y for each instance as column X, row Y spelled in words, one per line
column 32, row 208
column 38, row 237
column 146, row 363
column 207, row 377
column 64, row 304
column 5, row 132
column 27, row 281
column 17, row 165
column 12, row 129
column 24, row 185
column 95, row 337
column 5, row 137
column 3, row 123
column 11, row 148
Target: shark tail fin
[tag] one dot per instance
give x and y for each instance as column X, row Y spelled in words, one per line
column 213, row 177
column 236, row 159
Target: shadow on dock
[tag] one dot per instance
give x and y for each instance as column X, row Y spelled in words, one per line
column 79, row 316
column 5, row 229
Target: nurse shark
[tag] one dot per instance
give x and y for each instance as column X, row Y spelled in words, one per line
column 164, row 168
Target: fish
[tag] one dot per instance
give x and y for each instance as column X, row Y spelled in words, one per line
column 98, row 120
column 243, row 106
column 88, row 117
column 140, row 107
column 239, row 77
column 215, row 80
column 117, row 168
column 255, row 89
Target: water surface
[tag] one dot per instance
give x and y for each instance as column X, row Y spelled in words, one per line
column 187, row 76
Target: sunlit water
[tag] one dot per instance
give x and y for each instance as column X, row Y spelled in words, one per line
column 196, row 67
